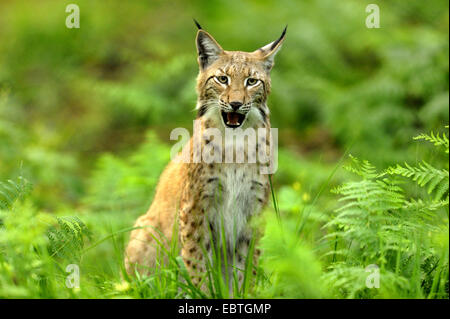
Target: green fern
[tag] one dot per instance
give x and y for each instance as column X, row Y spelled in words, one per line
column 67, row 238
column 382, row 223
column 436, row 139
column 425, row 206
column 371, row 211
column 11, row 191
column 362, row 168
column 425, row 175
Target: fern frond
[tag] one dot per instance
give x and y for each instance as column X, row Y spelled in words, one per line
column 376, row 217
column 66, row 241
column 11, row 191
column 436, row 139
column 425, row 175
column 371, row 195
column 362, row 168
column 425, row 206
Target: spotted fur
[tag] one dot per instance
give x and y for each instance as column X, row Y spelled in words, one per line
column 208, row 198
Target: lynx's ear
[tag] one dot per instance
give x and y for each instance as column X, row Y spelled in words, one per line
column 207, row 48
column 269, row 51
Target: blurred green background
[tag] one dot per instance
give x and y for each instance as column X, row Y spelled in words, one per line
column 70, row 95
column 85, row 114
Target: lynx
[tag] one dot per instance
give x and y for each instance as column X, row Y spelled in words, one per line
column 207, row 199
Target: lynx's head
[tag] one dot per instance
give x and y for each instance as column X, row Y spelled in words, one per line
column 233, row 86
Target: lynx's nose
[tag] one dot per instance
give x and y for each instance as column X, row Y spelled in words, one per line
column 235, row 105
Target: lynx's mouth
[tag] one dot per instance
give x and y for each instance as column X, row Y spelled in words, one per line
column 233, row 119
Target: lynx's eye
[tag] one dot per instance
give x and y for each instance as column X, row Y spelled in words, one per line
column 252, row 81
column 222, row 79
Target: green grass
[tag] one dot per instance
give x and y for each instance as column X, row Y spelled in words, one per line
column 379, row 222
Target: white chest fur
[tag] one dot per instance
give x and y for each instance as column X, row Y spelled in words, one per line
column 236, row 199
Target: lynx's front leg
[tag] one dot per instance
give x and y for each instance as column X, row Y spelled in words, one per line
column 191, row 236
column 246, row 255
column 195, row 195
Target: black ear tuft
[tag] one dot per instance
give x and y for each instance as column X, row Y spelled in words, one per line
column 274, row 44
column 207, row 48
column 197, row 24
column 269, row 51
